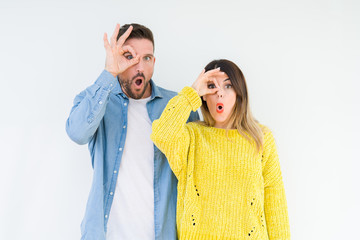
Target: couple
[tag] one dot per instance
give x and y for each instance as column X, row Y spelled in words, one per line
column 215, row 179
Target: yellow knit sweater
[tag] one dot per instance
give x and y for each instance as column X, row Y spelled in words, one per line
column 226, row 190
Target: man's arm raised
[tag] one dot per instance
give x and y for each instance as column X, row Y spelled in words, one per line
column 90, row 105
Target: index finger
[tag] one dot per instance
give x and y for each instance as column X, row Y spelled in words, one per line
column 214, row 72
column 215, row 82
column 115, row 33
column 123, row 37
column 129, row 49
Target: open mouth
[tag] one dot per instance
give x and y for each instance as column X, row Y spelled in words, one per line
column 138, row 82
column 219, row 107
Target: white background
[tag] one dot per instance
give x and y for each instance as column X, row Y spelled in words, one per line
column 301, row 60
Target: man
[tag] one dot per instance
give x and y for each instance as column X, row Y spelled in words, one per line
column 133, row 194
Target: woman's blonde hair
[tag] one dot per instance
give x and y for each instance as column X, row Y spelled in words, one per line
column 241, row 117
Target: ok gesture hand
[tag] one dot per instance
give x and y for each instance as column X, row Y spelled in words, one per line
column 206, row 82
column 116, row 62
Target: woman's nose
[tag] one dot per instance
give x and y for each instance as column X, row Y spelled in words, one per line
column 220, row 92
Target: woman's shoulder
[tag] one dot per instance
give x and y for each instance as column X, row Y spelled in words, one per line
column 265, row 129
column 269, row 139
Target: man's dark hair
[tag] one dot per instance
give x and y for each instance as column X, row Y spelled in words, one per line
column 139, row 32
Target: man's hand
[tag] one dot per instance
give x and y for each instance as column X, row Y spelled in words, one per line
column 119, row 57
column 206, row 82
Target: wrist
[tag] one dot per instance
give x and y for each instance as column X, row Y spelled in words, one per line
column 196, row 89
column 111, row 72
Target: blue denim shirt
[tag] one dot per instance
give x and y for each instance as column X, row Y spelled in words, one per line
column 99, row 118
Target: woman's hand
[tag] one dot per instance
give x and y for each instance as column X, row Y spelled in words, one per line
column 206, row 82
column 116, row 62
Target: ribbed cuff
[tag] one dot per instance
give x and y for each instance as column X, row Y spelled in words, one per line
column 192, row 96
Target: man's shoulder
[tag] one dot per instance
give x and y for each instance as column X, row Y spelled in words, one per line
column 167, row 94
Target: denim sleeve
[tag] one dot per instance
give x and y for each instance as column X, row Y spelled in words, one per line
column 194, row 116
column 89, row 108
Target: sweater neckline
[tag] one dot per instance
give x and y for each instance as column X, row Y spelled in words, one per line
column 231, row 133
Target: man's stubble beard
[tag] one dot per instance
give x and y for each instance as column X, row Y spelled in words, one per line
column 126, row 87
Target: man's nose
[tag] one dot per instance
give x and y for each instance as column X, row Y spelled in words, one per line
column 140, row 66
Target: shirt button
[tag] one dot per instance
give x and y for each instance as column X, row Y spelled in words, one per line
column 124, row 126
column 110, row 85
column 120, row 149
column 125, row 104
column 100, row 102
column 106, row 216
column 111, row 193
column 115, row 171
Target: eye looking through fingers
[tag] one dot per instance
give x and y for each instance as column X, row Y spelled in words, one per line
column 128, row 56
column 211, row 86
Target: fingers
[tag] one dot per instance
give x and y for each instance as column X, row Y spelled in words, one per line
column 210, row 74
column 114, row 36
column 216, row 70
column 134, row 61
column 123, row 37
column 106, row 42
column 214, row 73
column 212, row 91
column 204, row 81
column 213, row 80
column 131, row 62
column 130, row 50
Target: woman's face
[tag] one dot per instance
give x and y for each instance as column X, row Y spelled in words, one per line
column 222, row 102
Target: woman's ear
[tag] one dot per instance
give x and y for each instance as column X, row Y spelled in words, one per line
column 204, row 98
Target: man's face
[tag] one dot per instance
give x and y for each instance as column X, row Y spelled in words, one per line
column 135, row 80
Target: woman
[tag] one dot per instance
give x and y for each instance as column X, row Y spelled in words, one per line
column 229, row 179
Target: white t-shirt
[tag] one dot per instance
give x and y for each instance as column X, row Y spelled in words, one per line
column 132, row 211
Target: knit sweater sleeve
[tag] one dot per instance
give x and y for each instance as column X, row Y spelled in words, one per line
column 170, row 132
column 276, row 213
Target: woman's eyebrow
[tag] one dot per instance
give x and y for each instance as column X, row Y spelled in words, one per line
column 227, row 79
